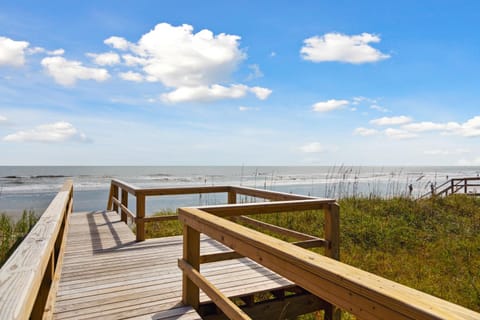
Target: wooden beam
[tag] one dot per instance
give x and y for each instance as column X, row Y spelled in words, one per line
column 124, row 205
column 265, row 207
column 191, row 256
column 232, row 197
column 273, row 228
column 124, row 186
column 230, row 309
column 307, row 244
column 182, row 190
column 268, row 194
column 332, row 230
column 115, row 197
column 289, row 307
column 221, row 256
column 140, row 215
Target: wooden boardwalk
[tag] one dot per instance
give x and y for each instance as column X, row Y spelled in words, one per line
column 106, row 274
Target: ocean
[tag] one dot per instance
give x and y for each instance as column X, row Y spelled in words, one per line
column 33, row 187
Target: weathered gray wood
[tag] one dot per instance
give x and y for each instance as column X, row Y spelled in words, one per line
column 22, row 275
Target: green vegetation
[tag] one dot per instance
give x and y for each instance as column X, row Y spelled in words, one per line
column 432, row 245
column 12, row 232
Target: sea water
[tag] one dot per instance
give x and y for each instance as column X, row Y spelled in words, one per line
column 33, row 187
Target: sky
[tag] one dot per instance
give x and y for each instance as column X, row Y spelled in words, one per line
column 240, row 83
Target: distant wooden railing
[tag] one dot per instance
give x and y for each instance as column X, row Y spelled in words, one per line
column 29, row 278
column 119, row 195
column 466, row 186
column 362, row 294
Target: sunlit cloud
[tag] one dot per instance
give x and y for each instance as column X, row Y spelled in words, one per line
column 56, row 132
column 343, row 48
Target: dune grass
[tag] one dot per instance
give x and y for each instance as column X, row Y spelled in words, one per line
column 432, row 245
column 12, row 232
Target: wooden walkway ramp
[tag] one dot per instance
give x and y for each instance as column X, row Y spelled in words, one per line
column 106, row 274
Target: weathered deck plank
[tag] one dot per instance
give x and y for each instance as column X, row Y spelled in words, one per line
column 107, row 274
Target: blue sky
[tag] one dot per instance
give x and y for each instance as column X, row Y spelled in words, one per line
column 232, row 83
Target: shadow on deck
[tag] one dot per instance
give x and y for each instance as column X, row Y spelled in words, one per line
column 107, row 274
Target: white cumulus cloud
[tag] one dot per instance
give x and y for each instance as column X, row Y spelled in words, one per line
column 56, row 132
column 118, row 43
column 12, row 53
column 131, row 76
column 312, row 147
column 389, row 121
column 105, row 59
column 177, row 57
column 365, row 132
column 344, row 48
column 195, row 66
column 205, row 93
column 67, row 72
column 329, row 105
column 261, row 93
column 469, row 128
column 424, row 126
column 399, row 134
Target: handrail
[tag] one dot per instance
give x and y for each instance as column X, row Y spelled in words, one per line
column 120, row 190
column 362, row 294
column 29, row 278
column 452, row 186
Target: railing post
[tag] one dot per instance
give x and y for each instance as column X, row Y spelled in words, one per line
column 42, row 296
column 465, row 182
column 140, row 215
column 123, row 215
column 232, row 197
column 191, row 254
column 332, row 250
column 332, row 230
column 115, row 195
column 110, row 196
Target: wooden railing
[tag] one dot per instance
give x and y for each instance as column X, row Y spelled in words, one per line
column 29, row 278
column 275, row 202
column 466, row 186
column 362, row 294
column 120, row 191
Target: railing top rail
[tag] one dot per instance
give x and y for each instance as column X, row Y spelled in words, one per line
column 170, row 191
column 266, row 194
column 269, row 194
column 125, row 186
column 466, row 178
column 361, row 293
column 265, row 207
column 21, row 275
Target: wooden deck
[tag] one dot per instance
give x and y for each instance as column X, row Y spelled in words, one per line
column 106, row 274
